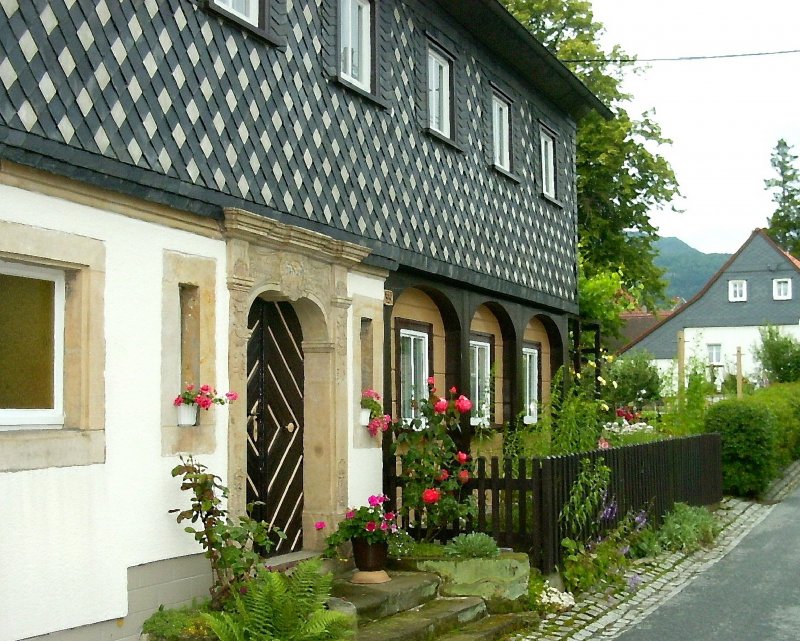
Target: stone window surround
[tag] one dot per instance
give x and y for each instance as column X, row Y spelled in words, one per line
column 82, row 439
column 184, row 269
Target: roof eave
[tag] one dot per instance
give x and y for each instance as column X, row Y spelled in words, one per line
column 490, row 23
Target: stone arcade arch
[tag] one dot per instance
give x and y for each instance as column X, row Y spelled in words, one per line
column 278, row 262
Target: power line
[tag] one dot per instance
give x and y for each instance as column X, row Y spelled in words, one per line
column 688, row 58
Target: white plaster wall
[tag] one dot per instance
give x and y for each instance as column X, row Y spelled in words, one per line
column 365, row 476
column 68, row 535
column 748, row 338
column 729, row 338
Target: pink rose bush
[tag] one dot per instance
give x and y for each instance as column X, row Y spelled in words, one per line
column 436, row 473
column 204, row 397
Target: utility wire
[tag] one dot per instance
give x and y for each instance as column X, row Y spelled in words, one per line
column 688, row 58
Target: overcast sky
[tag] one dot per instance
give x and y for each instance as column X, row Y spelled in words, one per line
column 723, row 116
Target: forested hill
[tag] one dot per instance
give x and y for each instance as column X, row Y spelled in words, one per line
column 687, row 269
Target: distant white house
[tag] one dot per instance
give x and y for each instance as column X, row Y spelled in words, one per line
column 758, row 285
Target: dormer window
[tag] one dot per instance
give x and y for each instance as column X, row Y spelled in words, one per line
column 737, row 291
column 782, row 289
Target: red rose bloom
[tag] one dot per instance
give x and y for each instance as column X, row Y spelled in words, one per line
column 463, row 476
column 463, row 404
column 440, row 406
column 431, row 496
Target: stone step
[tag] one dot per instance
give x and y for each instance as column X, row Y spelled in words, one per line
column 426, row 622
column 405, row 591
column 493, row 627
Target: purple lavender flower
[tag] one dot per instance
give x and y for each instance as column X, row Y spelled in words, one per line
column 640, row 520
column 609, row 512
column 634, row 581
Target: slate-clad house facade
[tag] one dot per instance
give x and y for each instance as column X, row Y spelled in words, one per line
column 755, row 287
column 294, row 200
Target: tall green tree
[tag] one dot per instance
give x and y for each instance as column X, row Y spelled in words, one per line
column 621, row 176
column 784, row 224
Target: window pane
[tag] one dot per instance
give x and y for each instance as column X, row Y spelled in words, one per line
column 406, row 375
column 420, row 368
column 27, row 316
column 344, row 36
column 531, row 383
column 355, row 39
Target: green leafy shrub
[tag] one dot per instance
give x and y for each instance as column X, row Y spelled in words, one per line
column 180, row 624
column 637, row 381
column 236, row 550
column 475, row 545
column 779, row 355
column 280, row 607
column 588, row 565
column 783, row 400
column 748, row 445
column 580, row 514
column 574, row 417
column 687, row 529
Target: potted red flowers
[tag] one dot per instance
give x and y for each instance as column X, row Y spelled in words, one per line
column 190, row 400
column 368, row 528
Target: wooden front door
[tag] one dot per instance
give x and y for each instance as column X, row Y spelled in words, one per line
column 275, row 420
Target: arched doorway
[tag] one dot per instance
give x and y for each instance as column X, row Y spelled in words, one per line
column 275, row 420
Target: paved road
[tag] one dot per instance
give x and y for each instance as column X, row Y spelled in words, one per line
column 753, row 594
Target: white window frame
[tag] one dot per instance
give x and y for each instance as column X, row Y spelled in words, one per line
column 439, row 99
column 777, row 285
column 13, row 418
column 737, row 291
column 251, row 16
column 480, row 352
column 530, row 369
column 548, row 159
column 712, row 350
column 355, row 27
column 407, row 379
column 501, row 131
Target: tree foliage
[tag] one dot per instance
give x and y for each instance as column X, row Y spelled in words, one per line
column 784, row 224
column 621, row 177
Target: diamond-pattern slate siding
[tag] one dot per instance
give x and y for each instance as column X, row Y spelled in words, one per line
column 173, row 97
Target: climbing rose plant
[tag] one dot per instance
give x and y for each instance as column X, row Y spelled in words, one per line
column 435, row 470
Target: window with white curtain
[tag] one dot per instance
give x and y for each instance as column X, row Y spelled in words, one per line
column 439, row 72
column 501, row 132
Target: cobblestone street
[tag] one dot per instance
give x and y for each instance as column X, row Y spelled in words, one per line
column 606, row 616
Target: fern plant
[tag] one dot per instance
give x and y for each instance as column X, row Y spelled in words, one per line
column 277, row 607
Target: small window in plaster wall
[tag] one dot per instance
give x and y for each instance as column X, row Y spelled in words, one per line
column 531, row 382
column 32, row 356
column 413, row 372
column 188, row 349
column 60, row 280
column 480, row 363
column 190, row 334
column 367, row 379
column 714, row 353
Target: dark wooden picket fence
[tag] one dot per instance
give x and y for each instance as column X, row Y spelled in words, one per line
column 519, row 502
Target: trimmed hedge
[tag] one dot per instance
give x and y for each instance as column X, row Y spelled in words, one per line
column 783, row 400
column 748, row 430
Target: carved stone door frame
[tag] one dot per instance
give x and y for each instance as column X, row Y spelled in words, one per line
column 280, row 262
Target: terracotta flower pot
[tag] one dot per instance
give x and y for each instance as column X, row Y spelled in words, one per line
column 370, row 557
